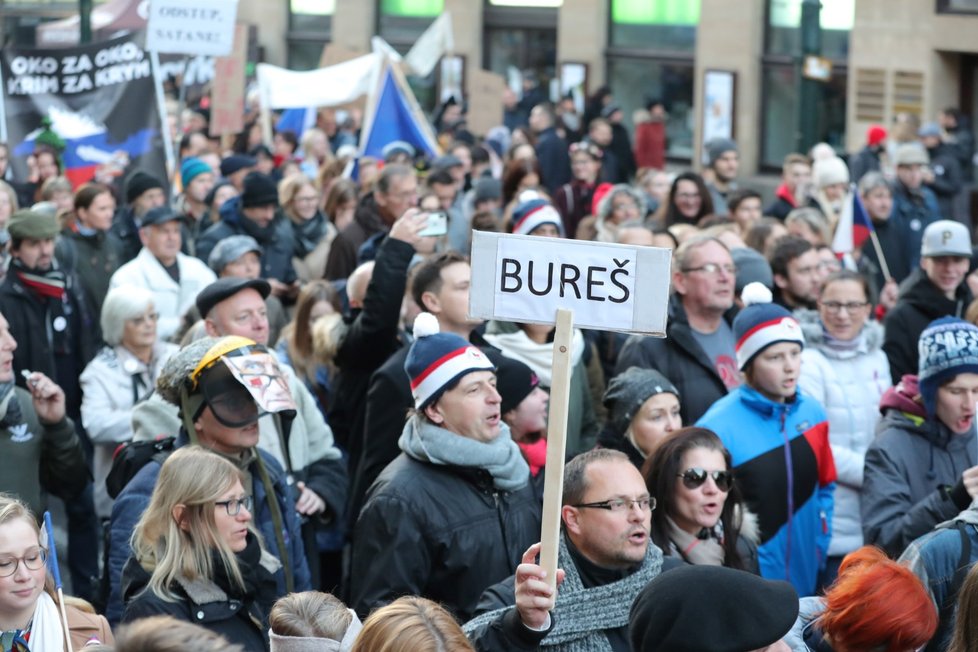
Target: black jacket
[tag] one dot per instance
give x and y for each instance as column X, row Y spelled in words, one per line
column 865, row 160
column 681, row 359
column 240, row 617
column 371, row 338
column 93, row 259
column 920, row 302
column 125, row 229
column 947, row 178
column 554, row 161
column 444, row 533
column 367, row 222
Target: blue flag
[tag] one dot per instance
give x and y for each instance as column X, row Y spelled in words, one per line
column 396, row 118
column 296, row 120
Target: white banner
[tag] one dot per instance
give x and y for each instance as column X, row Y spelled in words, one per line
column 192, row 27
column 339, row 84
column 607, row 286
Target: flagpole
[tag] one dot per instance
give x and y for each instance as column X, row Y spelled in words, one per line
column 879, row 255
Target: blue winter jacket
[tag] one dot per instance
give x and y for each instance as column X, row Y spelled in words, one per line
column 134, row 499
column 793, row 501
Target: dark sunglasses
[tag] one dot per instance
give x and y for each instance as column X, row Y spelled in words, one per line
column 695, row 477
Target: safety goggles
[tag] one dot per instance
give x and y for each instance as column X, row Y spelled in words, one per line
column 695, row 477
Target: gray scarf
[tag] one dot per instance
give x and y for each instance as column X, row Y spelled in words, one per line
column 426, row 442
column 581, row 615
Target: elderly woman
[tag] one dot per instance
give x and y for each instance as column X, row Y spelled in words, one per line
column 699, row 513
column 314, row 233
column 643, row 410
column 620, row 205
column 122, row 374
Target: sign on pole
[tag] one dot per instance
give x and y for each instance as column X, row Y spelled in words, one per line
column 228, row 92
column 192, row 27
column 566, row 283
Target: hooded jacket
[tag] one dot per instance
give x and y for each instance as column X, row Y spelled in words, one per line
column 783, row 204
column 793, row 502
column 920, row 302
column 909, row 467
column 276, row 240
column 848, row 383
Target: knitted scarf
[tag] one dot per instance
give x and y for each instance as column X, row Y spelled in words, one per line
column 581, row 615
column 49, row 288
column 308, row 234
column 501, row 457
column 703, row 549
column 10, row 412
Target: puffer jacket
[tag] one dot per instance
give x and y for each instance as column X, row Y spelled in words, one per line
column 276, row 240
column 441, row 532
column 849, row 384
column 920, row 302
column 908, row 469
column 793, row 502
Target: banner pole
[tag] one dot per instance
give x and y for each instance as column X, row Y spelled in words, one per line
column 879, row 254
column 164, row 123
column 3, row 112
column 556, row 445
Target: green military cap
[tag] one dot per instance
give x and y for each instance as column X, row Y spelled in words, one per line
column 28, row 224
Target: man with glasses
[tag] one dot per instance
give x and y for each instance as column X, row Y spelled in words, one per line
column 221, row 413
column 697, row 353
column 606, row 557
column 795, row 264
column 937, row 289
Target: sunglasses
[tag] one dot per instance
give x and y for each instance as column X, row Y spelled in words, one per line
column 695, row 477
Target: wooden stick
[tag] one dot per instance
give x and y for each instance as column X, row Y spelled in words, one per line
column 556, row 445
column 879, row 254
column 56, row 573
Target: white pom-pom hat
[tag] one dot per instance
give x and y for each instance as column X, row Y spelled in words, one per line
column 437, row 359
column 761, row 324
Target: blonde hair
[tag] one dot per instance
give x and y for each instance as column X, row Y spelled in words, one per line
column 409, row 624
column 288, row 188
column 167, row 634
column 310, row 614
column 194, row 478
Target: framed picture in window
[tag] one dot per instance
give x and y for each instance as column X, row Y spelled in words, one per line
column 451, row 78
column 719, row 104
column 573, row 82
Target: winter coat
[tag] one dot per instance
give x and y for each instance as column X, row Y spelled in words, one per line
column 784, row 203
column 681, row 359
column 573, row 202
column 554, row 160
column 93, row 259
column 124, row 228
column 442, row 532
column 132, row 502
column 84, row 625
column 848, row 384
column 908, row 469
column 947, row 178
column 650, row 145
column 170, row 299
column 865, row 160
column 311, row 265
column 112, row 383
column 809, row 609
column 276, row 240
column 367, row 221
column 916, row 207
column 919, row 303
column 793, row 504
column 36, row 457
column 899, row 238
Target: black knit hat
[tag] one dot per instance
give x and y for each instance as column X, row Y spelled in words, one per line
column 514, row 382
column 629, row 390
column 259, row 190
column 696, row 608
column 139, row 183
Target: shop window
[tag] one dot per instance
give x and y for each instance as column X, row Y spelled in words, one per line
column 401, row 22
column 957, row 6
column 310, row 29
column 784, row 32
column 655, row 24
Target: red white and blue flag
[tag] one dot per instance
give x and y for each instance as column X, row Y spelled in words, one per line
column 854, row 226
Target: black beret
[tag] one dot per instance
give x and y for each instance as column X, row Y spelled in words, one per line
column 223, row 288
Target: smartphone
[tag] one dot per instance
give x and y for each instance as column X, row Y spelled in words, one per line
column 437, row 224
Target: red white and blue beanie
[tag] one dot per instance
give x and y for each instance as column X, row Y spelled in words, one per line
column 436, row 360
column 761, row 324
column 529, row 215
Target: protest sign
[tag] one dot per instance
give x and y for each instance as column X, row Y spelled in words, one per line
column 228, row 91
column 566, row 283
column 191, row 27
column 100, row 99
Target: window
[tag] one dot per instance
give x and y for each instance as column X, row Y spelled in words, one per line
column 310, row 29
column 957, row 6
column 668, row 24
column 784, row 27
column 401, row 22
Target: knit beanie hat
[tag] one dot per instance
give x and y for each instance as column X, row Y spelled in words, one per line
column 139, row 183
column 191, row 168
column 947, row 347
column 875, row 135
column 629, row 390
column 761, row 324
column 514, row 382
column 830, row 171
column 752, row 267
column 703, row 607
column 718, row 147
column 529, row 215
column 259, row 190
column 436, row 360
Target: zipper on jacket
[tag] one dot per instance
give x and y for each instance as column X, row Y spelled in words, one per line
column 502, row 522
column 791, row 491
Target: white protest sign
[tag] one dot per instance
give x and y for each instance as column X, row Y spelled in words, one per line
column 607, row 286
column 192, row 27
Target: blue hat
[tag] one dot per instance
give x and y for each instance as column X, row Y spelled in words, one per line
column 761, row 324
column 947, row 347
column 191, row 168
column 436, row 360
column 529, row 215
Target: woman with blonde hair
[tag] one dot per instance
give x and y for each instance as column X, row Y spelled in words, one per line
column 410, row 624
column 312, row 620
column 30, row 618
column 196, row 555
column 313, row 233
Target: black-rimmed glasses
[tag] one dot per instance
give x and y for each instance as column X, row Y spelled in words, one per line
column 233, row 506
column 621, row 504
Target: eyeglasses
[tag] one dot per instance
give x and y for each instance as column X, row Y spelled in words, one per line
column 33, row 560
column 590, row 149
column 852, row 306
column 712, row 269
column 142, row 319
column 687, row 195
column 233, row 506
column 621, row 504
column 831, row 265
column 695, row 477
column 307, row 199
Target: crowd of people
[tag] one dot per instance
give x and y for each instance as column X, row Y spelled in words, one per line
column 273, row 424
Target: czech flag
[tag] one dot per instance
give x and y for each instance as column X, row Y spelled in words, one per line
column 854, row 226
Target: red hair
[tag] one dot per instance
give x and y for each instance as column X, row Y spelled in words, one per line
column 877, row 603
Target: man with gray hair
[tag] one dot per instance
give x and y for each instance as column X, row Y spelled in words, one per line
column 698, row 351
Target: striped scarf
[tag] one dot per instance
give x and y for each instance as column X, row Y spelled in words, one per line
column 46, row 285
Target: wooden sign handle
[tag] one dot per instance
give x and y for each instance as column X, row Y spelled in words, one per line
column 556, row 445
